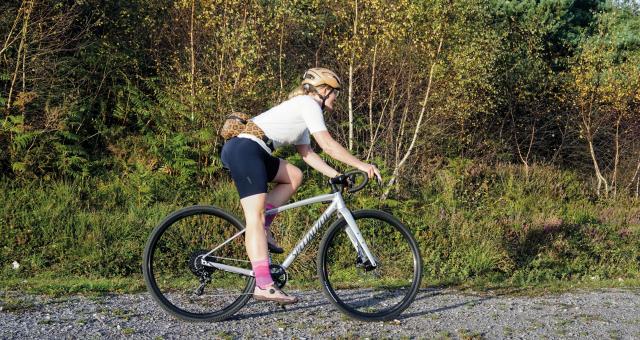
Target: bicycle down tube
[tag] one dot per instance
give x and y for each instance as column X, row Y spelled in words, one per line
column 337, row 204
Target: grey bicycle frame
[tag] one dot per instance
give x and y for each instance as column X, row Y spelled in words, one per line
column 337, row 204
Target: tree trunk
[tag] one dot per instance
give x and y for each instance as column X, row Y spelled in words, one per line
column 423, row 108
column 599, row 177
column 21, row 51
column 351, row 62
column 222, row 54
column 634, row 178
column 8, row 42
column 614, row 176
column 382, row 115
column 373, row 77
column 193, row 59
column 281, row 95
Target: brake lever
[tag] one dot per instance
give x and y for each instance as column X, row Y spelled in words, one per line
column 378, row 179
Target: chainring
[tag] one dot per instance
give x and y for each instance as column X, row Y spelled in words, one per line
column 278, row 275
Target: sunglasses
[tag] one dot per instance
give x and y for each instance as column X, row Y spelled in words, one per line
column 336, row 91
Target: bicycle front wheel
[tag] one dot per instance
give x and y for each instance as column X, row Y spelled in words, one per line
column 175, row 267
column 353, row 285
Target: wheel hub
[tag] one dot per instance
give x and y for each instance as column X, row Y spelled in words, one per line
column 196, row 266
column 366, row 265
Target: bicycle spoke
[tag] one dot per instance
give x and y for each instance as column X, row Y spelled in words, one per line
column 359, row 289
column 181, row 281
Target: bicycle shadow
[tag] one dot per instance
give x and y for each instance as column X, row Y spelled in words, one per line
column 274, row 309
column 430, row 309
column 417, row 308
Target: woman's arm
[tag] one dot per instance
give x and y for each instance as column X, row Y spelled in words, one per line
column 310, row 157
column 338, row 152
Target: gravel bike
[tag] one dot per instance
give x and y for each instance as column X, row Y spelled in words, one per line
column 196, row 267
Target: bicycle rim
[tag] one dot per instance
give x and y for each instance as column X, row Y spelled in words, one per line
column 356, row 288
column 173, row 271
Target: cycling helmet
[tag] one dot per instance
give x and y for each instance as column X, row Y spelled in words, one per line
column 318, row 76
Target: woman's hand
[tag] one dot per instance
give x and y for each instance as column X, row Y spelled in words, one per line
column 371, row 171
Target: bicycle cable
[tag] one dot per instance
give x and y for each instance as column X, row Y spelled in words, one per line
column 227, row 258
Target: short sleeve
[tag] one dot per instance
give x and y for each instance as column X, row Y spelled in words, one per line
column 312, row 115
column 304, row 138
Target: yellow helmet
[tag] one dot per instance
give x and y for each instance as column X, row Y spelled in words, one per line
column 318, row 76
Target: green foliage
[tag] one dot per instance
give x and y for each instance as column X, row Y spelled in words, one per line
column 109, row 121
column 478, row 223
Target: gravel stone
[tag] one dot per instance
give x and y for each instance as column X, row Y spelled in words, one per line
column 436, row 313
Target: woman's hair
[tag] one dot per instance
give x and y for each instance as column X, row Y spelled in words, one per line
column 304, row 89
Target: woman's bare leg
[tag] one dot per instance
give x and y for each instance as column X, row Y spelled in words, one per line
column 255, row 238
column 256, row 245
column 288, row 179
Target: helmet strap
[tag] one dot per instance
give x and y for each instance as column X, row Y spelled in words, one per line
column 324, row 98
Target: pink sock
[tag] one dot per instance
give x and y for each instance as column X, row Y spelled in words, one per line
column 269, row 218
column 262, row 273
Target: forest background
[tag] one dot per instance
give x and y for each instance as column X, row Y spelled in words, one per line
column 507, row 131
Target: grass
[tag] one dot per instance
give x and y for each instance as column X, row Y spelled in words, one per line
column 128, row 331
column 479, row 227
column 507, row 331
column 444, row 335
column 546, row 288
column 225, row 335
column 465, row 334
column 95, row 288
column 15, row 304
column 535, row 325
column 589, row 318
column 49, row 284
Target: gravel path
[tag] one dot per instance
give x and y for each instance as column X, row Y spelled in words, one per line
column 436, row 313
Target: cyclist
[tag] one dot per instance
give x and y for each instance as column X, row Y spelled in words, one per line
column 252, row 166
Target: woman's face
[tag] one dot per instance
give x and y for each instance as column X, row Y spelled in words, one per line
column 329, row 102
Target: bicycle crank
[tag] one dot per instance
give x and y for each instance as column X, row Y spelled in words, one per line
column 278, row 275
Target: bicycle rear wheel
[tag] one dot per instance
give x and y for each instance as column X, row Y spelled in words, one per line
column 175, row 275
column 353, row 285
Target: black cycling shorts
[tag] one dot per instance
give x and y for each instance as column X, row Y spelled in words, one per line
column 250, row 165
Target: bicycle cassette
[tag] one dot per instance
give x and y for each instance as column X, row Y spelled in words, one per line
column 196, row 266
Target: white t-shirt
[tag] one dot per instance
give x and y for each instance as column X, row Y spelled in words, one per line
column 292, row 121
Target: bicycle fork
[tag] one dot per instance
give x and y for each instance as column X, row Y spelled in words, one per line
column 357, row 240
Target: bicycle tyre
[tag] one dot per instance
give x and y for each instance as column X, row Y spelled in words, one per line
column 349, row 288
column 168, row 296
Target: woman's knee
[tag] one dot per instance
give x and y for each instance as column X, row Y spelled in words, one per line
column 296, row 176
column 254, row 218
column 253, row 207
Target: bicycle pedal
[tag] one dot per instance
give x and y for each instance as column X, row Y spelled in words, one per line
column 274, row 249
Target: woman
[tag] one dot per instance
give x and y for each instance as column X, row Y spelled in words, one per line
column 252, row 166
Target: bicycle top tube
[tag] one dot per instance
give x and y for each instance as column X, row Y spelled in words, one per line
column 312, row 200
column 338, row 184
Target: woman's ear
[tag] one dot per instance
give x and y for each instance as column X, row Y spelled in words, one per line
column 322, row 90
